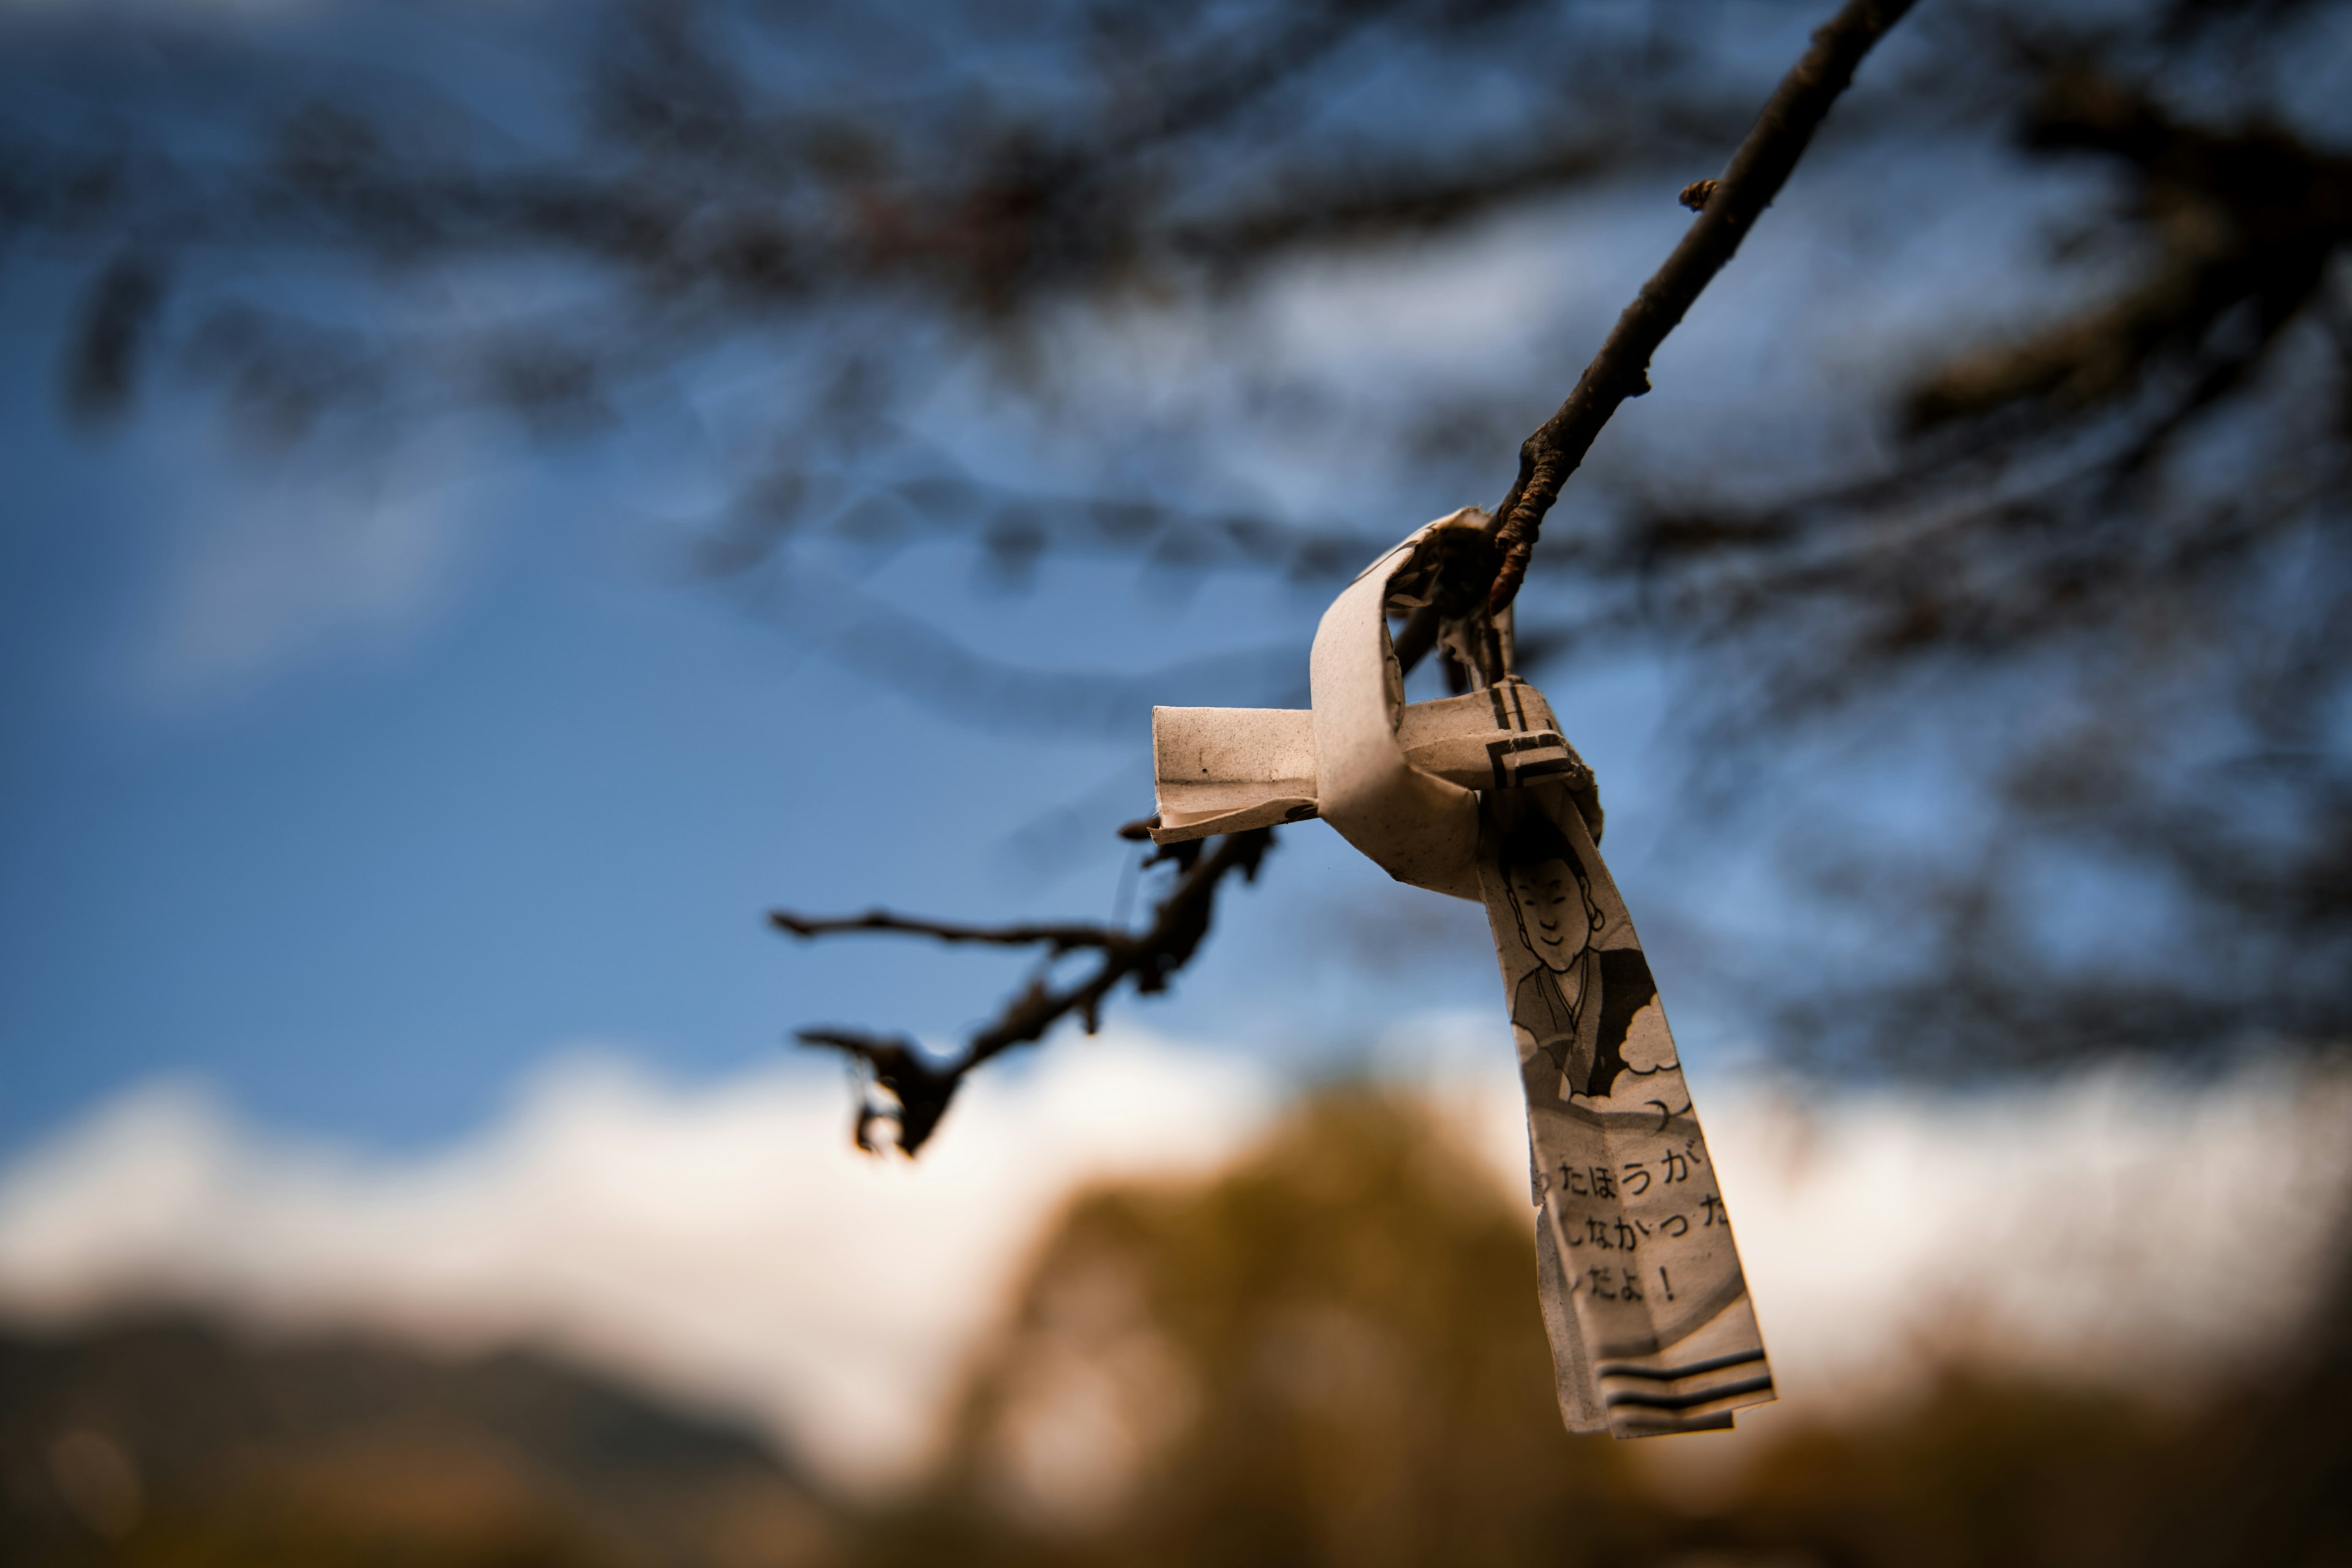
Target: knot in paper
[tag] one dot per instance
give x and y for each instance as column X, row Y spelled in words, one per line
column 1397, row 780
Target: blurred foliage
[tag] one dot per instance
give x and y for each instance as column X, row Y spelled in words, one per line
column 1329, row 1354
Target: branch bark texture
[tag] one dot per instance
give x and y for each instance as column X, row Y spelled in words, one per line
column 1727, row 212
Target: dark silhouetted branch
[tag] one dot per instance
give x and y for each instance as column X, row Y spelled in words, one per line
column 920, row 1090
column 1059, row 938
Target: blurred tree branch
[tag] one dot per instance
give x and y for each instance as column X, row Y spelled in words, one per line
column 2117, row 496
column 2124, row 513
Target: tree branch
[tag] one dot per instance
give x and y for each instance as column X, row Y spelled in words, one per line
column 1061, row 938
column 920, row 1090
column 1621, row 370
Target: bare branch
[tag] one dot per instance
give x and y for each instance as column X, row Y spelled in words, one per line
column 1622, row 369
column 920, row 1090
column 1060, row 938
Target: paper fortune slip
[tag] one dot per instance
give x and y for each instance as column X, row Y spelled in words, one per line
column 1482, row 797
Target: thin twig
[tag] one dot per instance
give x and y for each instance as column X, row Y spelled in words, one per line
column 1061, row 938
column 1622, row 369
column 919, row 1088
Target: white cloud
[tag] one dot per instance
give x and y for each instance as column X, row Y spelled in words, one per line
column 726, row 1243
column 2116, row 1227
column 265, row 567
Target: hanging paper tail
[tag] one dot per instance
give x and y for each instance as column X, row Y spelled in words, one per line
column 1693, row 1384
column 1652, row 1330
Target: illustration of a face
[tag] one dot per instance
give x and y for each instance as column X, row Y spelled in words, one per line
column 1551, row 904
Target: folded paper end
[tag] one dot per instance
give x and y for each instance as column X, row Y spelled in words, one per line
column 1227, row 770
column 1175, row 827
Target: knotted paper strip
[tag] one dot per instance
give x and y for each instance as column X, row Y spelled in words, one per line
column 1480, row 796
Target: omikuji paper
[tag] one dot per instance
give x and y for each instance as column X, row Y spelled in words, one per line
column 1481, row 796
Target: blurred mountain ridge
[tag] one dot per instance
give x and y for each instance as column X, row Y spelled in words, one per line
column 174, row 1438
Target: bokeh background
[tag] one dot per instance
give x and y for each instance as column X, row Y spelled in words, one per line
column 498, row 497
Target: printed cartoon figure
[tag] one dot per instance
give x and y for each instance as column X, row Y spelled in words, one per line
column 1578, row 1002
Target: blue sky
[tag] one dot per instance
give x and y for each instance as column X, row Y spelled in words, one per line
column 356, row 780
column 360, row 855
